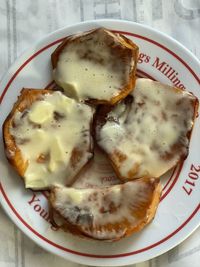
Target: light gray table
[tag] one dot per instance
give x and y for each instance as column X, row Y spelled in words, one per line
column 24, row 22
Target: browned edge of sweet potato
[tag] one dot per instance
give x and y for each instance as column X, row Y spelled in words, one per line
column 145, row 215
column 12, row 152
column 133, row 50
column 101, row 118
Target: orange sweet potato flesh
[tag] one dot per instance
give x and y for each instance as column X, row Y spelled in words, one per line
column 143, row 214
column 13, row 153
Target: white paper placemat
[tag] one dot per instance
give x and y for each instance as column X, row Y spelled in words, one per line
column 24, row 22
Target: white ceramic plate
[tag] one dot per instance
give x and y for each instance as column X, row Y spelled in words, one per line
column 178, row 213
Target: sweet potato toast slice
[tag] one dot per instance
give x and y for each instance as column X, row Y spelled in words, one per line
column 97, row 66
column 109, row 213
column 38, row 142
column 149, row 132
column 13, row 153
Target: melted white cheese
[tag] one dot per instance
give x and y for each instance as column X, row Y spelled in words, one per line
column 158, row 119
column 93, row 209
column 89, row 70
column 47, row 133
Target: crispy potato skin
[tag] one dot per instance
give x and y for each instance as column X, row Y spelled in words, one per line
column 132, row 49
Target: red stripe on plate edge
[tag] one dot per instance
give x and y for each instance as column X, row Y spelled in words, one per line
column 174, row 181
column 127, row 33
column 94, row 255
column 169, row 179
column 24, row 64
column 21, row 219
column 163, row 47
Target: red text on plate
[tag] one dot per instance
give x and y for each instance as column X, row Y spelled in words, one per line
column 35, row 203
column 193, row 176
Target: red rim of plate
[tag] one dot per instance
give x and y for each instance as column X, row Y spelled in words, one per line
column 169, row 189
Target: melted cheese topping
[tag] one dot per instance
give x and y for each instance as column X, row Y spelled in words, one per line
column 151, row 132
column 88, row 69
column 94, row 209
column 49, row 135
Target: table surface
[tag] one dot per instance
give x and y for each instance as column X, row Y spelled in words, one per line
column 24, row 22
